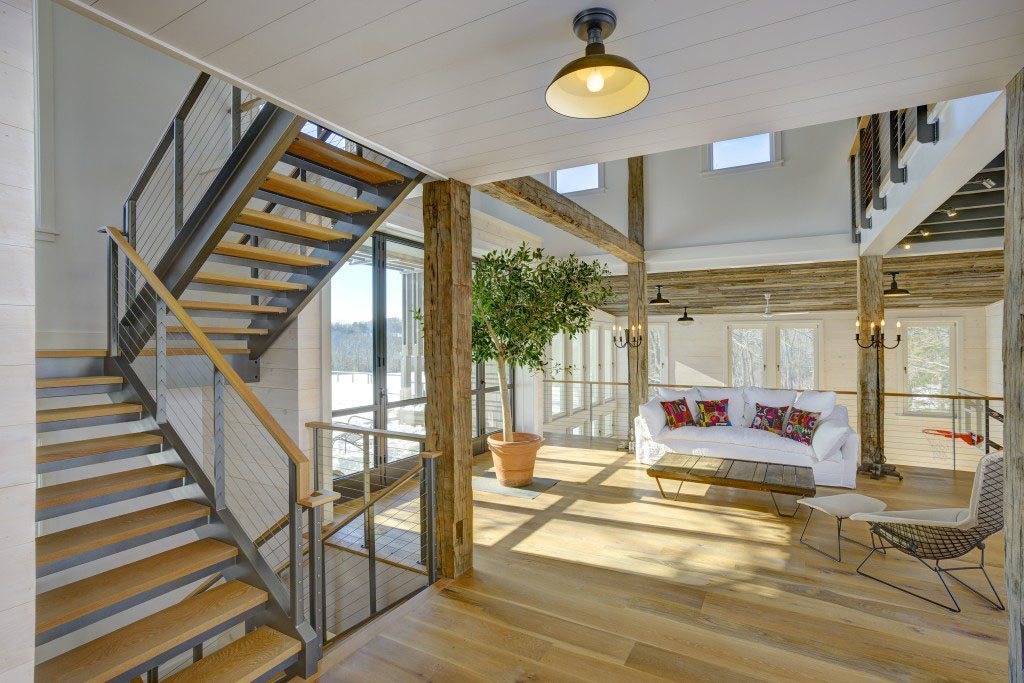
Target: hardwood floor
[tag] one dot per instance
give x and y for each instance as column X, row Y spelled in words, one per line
column 600, row 579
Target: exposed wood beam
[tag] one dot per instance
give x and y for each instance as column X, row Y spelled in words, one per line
column 637, row 277
column 870, row 363
column 537, row 199
column 447, row 331
column 1013, row 373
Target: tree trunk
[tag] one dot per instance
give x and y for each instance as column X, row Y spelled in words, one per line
column 506, row 404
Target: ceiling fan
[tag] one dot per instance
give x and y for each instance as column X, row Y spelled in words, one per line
column 768, row 314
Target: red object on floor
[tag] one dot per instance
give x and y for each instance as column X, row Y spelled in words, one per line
column 969, row 438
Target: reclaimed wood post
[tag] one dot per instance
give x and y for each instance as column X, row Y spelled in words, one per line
column 447, row 287
column 870, row 397
column 1013, row 371
column 637, row 304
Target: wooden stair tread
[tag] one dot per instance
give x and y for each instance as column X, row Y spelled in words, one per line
column 104, row 444
column 325, row 154
column 80, row 539
column 71, row 353
column 84, row 412
column 278, row 183
column 245, row 659
column 80, row 598
column 87, row 381
column 229, row 307
column 286, row 258
column 248, row 282
column 135, row 644
column 255, row 331
column 289, row 226
column 196, row 351
column 94, row 487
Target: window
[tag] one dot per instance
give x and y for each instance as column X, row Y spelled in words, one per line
column 657, row 354
column 557, row 371
column 777, row 355
column 576, row 372
column 754, row 151
column 607, row 363
column 586, row 178
column 594, row 364
column 929, row 365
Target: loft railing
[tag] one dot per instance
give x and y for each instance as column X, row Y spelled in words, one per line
column 878, row 157
column 206, row 126
column 255, row 471
column 947, row 431
column 379, row 547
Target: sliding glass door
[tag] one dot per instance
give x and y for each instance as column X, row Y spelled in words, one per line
column 378, row 376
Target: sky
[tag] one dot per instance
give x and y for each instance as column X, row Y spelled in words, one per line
column 351, row 294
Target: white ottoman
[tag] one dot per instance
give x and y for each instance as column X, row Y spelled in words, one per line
column 840, row 506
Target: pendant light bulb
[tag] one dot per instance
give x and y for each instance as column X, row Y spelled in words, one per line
column 595, row 81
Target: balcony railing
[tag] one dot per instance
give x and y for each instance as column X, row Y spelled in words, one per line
column 944, row 431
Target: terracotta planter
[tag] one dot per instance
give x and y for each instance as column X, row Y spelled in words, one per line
column 514, row 460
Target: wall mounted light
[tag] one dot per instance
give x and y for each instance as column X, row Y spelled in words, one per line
column 894, row 289
column 685, row 318
column 658, row 299
column 596, row 85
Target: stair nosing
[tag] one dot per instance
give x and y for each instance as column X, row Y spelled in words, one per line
column 105, row 485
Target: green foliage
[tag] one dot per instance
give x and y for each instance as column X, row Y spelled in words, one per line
column 522, row 299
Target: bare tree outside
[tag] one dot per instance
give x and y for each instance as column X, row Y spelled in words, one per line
column 747, row 354
column 929, row 368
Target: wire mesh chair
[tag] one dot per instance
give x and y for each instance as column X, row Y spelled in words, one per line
column 945, row 534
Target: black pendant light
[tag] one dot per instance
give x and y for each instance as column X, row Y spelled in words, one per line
column 659, row 300
column 596, row 85
column 685, row 318
column 894, row 289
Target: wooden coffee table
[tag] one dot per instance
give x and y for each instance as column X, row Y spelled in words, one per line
column 793, row 480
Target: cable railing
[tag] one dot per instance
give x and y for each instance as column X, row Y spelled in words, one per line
column 379, row 545
column 878, row 157
column 946, row 431
column 255, row 474
column 208, row 124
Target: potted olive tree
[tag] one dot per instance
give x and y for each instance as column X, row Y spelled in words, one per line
column 521, row 300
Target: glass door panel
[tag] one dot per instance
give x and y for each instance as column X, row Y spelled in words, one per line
column 352, row 333
column 930, row 350
column 798, row 362
column 406, row 377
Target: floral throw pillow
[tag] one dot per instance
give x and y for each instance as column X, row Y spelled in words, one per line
column 677, row 414
column 800, row 425
column 713, row 413
column 769, row 418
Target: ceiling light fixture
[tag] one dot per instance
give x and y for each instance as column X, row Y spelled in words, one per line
column 949, row 211
column 596, row 85
column 894, row 289
column 925, row 233
column 685, row 318
column 658, row 299
column 987, row 183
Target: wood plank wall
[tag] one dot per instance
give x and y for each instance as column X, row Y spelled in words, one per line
column 17, row 333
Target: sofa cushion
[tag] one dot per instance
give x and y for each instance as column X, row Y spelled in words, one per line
column 766, row 397
column 713, row 413
column 654, row 416
column 769, row 418
column 691, row 396
column 800, row 425
column 737, row 404
column 677, row 413
column 735, row 436
column 823, row 402
column 831, row 434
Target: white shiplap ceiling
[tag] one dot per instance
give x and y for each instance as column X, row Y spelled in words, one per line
column 457, row 86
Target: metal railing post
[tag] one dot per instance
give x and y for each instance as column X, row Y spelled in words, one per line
column 430, row 474
column 897, row 173
column 218, row 440
column 161, row 361
column 179, row 173
column 369, row 532
column 316, row 577
column 953, row 412
column 113, row 343
column 294, row 546
column 236, row 116
column 987, row 447
column 129, row 233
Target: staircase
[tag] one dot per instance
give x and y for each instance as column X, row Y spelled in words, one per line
column 171, row 503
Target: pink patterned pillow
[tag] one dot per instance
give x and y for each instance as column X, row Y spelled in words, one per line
column 769, row 418
column 713, row 413
column 800, row 425
column 677, row 414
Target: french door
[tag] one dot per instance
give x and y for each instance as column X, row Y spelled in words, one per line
column 774, row 354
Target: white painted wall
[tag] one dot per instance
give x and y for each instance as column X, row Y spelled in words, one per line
column 109, row 101
column 17, row 320
column 808, row 196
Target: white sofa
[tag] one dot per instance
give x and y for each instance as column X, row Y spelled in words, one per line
column 834, row 452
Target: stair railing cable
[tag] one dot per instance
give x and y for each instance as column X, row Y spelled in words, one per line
column 229, row 432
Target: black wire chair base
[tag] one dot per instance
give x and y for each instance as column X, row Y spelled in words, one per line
column 941, row 572
column 839, row 539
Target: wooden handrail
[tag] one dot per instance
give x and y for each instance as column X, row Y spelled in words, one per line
column 304, row 484
column 838, row 392
column 408, row 436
